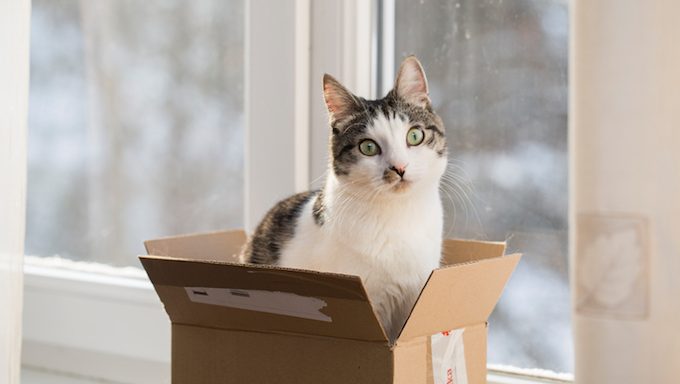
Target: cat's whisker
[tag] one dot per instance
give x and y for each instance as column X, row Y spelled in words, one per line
column 454, row 188
column 453, row 206
column 463, row 189
column 322, row 176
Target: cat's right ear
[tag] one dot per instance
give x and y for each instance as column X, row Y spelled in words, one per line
column 340, row 102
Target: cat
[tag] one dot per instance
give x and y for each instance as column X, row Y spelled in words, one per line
column 379, row 214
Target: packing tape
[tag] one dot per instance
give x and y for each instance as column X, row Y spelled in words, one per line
column 280, row 303
column 448, row 358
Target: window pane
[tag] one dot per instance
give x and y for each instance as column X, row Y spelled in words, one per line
column 497, row 72
column 135, row 126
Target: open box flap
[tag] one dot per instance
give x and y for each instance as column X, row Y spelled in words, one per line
column 213, row 246
column 459, row 295
column 262, row 298
column 457, row 251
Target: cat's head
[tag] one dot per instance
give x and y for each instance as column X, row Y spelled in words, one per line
column 393, row 145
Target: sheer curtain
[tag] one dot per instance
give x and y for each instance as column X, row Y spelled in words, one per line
column 625, row 122
column 14, row 69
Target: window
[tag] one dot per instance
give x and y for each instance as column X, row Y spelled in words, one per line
column 497, row 72
column 136, row 124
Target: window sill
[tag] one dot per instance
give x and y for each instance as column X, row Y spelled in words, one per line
column 86, row 322
column 511, row 375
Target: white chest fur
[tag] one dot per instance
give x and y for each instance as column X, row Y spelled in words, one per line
column 393, row 246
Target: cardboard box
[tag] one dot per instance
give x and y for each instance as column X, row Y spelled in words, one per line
column 236, row 323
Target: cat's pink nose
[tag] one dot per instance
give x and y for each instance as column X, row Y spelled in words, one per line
column 400, row 169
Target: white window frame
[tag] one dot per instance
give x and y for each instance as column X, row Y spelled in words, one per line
column 112, row 326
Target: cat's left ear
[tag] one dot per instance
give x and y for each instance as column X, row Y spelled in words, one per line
column 411, row 83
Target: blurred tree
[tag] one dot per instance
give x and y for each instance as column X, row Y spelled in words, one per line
column 160, row 130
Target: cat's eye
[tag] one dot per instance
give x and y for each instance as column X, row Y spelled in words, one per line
column 414, row 136
column 369, row 147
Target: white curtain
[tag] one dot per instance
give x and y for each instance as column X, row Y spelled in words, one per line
column 625, row 126
column 14, row 70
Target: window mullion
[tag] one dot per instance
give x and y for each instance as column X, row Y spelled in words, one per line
column 276, row 106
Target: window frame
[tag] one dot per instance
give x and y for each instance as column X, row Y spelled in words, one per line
column 112, row 326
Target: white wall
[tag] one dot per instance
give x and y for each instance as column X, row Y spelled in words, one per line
column 625, row 127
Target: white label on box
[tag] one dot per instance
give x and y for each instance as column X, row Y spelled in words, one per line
column 280, row 303
column 448, row 358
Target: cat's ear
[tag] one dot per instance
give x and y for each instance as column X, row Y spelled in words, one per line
column 340, row 102
column 411, row 84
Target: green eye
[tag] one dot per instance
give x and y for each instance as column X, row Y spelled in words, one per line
column 369, row 147
column 414, row 136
